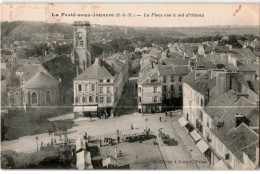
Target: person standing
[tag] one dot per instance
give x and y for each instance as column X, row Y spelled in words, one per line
column 118, row 139
column 160, row 119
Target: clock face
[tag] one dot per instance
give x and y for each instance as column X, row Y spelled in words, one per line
column 80, row 35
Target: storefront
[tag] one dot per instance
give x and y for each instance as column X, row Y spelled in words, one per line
column 86, row 111
column 151, row 108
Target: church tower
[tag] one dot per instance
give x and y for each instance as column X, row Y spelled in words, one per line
column 80, row 55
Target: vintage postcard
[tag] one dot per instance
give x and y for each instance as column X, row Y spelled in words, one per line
column 130, row 86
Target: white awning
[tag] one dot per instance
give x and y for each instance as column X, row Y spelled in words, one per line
column 202, row 145
column 85, row 109
column 182, row 121
column 220, row 166
column 194, row 134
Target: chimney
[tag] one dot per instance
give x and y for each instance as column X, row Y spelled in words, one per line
column 239, row 95
column 221, row 83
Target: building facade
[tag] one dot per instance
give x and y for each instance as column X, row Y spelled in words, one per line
column 98, row 89
column 213, row 107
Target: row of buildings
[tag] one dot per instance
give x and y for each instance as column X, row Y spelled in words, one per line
column 89, row 86
column 221, row 113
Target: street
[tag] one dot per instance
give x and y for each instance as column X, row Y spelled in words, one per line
column 144, row 155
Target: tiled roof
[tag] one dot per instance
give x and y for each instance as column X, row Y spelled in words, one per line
column 207, row 48
column 221, row 49
column 41, row 79
column 182, row 70
column 251, row 151
column 117, row 65
column 99, row 70
column 242, row 67
column 30, row 70
column 165, row 70
column 176, row 61
column 246, row 52
column 236, row 138
column 202, row 83
column 208, row 64
column 218, row 107
column 254, row 66
column 144, row 78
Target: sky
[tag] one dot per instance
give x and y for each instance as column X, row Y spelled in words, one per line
column 214, row 14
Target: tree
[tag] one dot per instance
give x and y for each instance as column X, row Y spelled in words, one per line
column 7, row 162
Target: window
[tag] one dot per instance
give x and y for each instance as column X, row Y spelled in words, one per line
column 201, row 115
column 172, row 88
column 180, row 88
column 201, row 102
column 101, row 99
column 83, row 99
column 108, row 99
column 140, row 99
column 164, row 79
column 180, row 79
column 227, row 156
column 92, row 87
column 108, row 80
column 108, row 89
column 101, row 80
column 154, row 89
column 34, row 98
column 164, row 88
column 140, row 89
column 48, row 96
column 90, row 99
column 172, row 78
column 100, row 90
column 155, row 99
column 80, row 88
column 96, row 98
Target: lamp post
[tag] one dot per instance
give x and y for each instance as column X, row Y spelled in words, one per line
column 37, row 142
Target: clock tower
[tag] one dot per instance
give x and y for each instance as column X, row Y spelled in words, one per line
column 80, row 55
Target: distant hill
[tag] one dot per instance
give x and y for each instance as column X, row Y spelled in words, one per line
column 20, row 30
column 23, row 30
